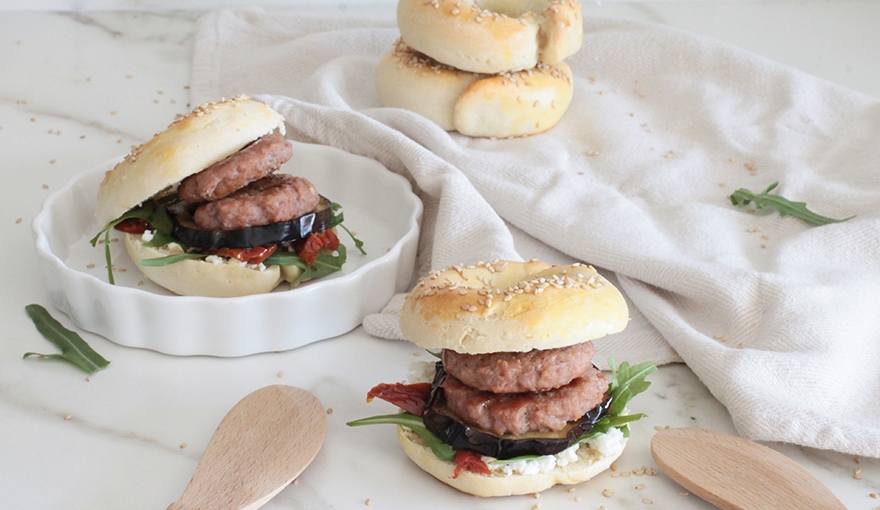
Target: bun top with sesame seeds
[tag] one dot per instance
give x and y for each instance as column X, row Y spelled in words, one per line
column 492, row 36
column 507, row 306
column 208, row 134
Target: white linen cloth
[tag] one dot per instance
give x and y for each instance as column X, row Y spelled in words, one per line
column 780, row 319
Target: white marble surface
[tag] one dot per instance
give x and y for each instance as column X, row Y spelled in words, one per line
column 79, row 88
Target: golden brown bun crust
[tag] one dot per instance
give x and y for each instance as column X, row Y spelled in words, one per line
column 506, row 306
column 485, row 105
column 492, row 36
column 591, row 462
column 208, row 134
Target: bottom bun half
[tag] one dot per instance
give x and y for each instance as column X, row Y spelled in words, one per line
column 584, row 463
column 204, row 277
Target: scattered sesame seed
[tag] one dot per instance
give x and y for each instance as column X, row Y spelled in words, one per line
column 684, row 493
column 578, row 498
column 46, row 186
column 640, row 486
column 647, row 501
column 114, row 112
column 183, row 445
column 607, row 493
column 18, row 220
column 68, row 417
column 329, row 410
column 88, row 379
column 368, row 502
column 90, row 266
column 280, row 374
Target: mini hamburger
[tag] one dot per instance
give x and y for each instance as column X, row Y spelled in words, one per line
column 204, row 211
column 515, row 404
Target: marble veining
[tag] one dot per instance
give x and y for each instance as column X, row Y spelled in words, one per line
column 81, row 87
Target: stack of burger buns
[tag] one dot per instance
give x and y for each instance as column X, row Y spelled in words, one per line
column 485, row 68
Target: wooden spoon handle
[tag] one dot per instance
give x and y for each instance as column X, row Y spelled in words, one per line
column 262, row 444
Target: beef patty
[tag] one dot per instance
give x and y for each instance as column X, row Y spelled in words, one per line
column 272, row 199
column 250, row 164
column 518, row 413
column 518, row 372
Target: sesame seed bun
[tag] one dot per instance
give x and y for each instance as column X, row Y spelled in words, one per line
column 490, row 36
column 590, row 462
column 507, row 306
column 481, row 105
column 208, row 134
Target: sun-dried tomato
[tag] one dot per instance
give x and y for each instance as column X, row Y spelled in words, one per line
column 469, row 461
column 409, row 397
column 255, row 255
column 132, row 226
column 309, row 248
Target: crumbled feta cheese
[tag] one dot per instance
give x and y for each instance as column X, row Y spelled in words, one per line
column 147, row 236
column 214, row 259
column 421, row 371
column 609, row 443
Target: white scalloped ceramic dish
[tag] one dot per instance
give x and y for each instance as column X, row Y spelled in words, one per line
column 378, row 205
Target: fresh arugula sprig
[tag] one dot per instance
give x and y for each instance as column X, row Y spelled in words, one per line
column 627, row 381
column 73, row 348
column 337, row 218
column 785, row 206
column 158, row 218
column 325, row 263
column 442, row 450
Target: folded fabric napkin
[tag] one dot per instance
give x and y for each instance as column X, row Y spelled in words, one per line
column 780, row 319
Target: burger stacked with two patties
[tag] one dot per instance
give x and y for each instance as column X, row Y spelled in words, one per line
column 515, row 398
column 205, row 211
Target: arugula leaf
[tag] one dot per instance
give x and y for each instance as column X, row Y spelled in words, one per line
column 785, row 206
column 170, row 259
column 442, row 450
column 336, row 221
column 154, row 214
column 73, row 348
column 325, row 263
column 626, row 382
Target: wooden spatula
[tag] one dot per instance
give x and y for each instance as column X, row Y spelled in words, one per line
column 265, row 441
column 734, row 473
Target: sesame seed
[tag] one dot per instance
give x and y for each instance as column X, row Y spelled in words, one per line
column 647, row 501
column 640, row 486
column 607, row 493
column 368, row 502
column 683, row 493
column 183, row 445
column 280, row 374
column 329, row 410
column 68, row 417
column 18, row 220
